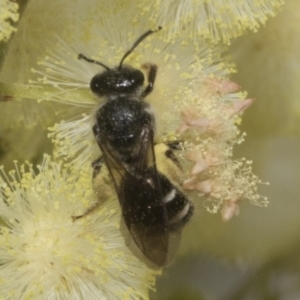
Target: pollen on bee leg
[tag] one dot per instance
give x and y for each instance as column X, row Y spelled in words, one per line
column 229, row 209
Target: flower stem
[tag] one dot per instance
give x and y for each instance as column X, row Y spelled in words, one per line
column 13, row 92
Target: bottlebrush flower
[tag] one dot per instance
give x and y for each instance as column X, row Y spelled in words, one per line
column 213, row 19
column 45, row 255
column 8, row 13
column 209, row 132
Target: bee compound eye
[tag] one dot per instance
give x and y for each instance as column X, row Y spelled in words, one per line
column 95, row 85
column 103, row 83
column 137, row 77
column 96, row 129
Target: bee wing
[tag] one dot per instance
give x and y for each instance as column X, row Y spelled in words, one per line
column 140, row 196
column 155, row 214
column 143, row 154
column 145, row 215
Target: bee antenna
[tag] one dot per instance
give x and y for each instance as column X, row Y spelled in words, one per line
column 82, row 56
column 136, row 43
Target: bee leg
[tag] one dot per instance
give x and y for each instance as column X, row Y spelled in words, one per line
column 96, row 165
column 88, row 211
column 151, row 79
column 170, row 154
column 96, row 131
column 174, row 145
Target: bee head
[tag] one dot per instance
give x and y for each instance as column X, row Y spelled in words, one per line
column 125, row 80
column 119, row 80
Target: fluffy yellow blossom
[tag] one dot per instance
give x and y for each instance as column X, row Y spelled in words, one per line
column 209, row 131
column 213, row 19
column 8, row 14
column 45, row 255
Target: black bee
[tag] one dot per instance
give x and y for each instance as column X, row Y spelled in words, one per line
column 154, row 208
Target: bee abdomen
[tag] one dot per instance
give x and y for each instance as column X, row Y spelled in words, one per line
column 182, row 218
column 179, row 209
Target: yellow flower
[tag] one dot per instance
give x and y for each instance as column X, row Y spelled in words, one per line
column 8, row 13
column 213, row 19
column 45, row 255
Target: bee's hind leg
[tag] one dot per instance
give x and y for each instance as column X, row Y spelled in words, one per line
column 96, row 165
